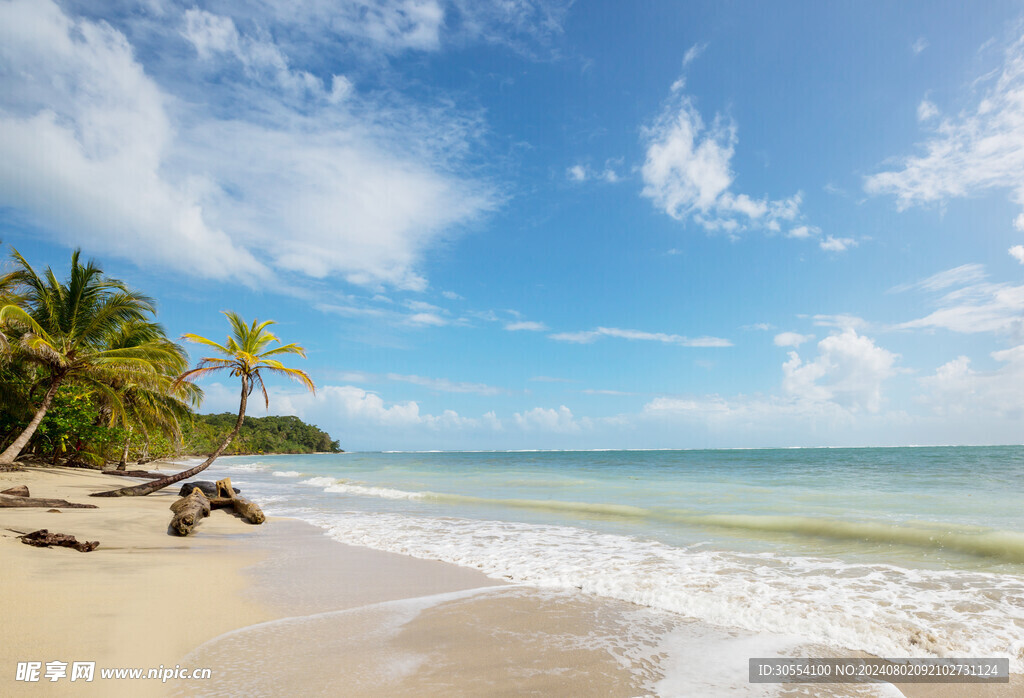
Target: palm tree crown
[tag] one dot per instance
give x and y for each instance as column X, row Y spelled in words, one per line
column 246, row 357
column 65, row 329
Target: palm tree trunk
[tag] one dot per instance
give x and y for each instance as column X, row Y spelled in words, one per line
column 15, row 449
column 124, row 453
column 154, row 485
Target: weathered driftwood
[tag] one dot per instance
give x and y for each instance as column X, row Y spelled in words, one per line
column 18, row 491
column 44, row 539
column 249, row 511
column 208, row 487
column 134, row 473
column 188, row 511
column 7, row 502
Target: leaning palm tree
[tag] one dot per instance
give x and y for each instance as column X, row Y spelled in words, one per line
column 62, row 328
column 246, row 356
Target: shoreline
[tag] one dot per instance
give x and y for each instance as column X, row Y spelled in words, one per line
column 314, row 613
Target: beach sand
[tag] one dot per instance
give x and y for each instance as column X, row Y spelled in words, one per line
column 280, row 609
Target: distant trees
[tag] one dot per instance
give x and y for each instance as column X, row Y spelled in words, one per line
column 257, row 435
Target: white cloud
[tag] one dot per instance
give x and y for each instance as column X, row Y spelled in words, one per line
column 427, row 320
column 526, row 325
column 452, row 295
column 791, row 339
column 980, row 149
column 89, row 145
column 834, row 244
column 687, row 173
column 983, row 307
column 968, row 303
column 840, row 321
column 84, row 134
column 693, row 53
column 957, row 276
column 849, row 371
column 957, row 389
column 1017, row 252
column 577, row 173
column 926, row 110
column 802, row 232
column 919, row 45
column 588, row 336
column 550, row 420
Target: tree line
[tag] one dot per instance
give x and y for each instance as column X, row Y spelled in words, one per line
column 88, row 376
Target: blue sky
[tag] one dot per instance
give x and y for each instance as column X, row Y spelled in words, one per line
column 536, row 224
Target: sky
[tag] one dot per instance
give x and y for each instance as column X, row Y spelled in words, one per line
column 546, row 224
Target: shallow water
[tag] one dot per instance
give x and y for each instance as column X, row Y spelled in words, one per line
column 896, row 552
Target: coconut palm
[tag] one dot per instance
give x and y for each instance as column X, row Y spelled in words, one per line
column 156, row 401
column 246, row 356
column 63, row 329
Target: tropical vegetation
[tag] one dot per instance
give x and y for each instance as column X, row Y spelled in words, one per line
column 89, row 377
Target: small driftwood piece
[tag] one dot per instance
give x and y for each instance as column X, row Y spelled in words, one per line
column 7, row 502
column 44, row 539
column 18, row 491
column 249, row 511
column 188, row 511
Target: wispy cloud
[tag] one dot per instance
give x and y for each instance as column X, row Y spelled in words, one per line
column 446, row 386
column 919, row 45
column 588, row 336
column 979, row 149
column 526, row 325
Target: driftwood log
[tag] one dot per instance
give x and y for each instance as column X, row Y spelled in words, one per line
column 7, row 502
column 188, row 511
column 44, row 539
column 18, row 491
column 250, row 511
column 134, row 473
column 208, row 487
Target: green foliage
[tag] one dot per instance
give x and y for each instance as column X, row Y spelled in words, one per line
column 258, row 435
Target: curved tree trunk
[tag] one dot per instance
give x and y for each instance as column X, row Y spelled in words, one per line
column 124, row 454
column 154, row 485
column 15, row 449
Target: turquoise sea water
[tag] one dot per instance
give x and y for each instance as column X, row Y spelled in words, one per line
column 894, row 551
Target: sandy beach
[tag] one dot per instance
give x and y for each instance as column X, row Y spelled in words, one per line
column 280, row 609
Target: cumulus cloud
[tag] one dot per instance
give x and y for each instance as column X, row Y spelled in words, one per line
column 957, row 389
column 979, row 149
column 849, row 370
column 1017, row 252
column 560, row 421
column 89, row 145
column 688, row 174
column 588, row 336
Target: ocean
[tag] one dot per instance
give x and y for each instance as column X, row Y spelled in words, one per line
column 898, row 552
